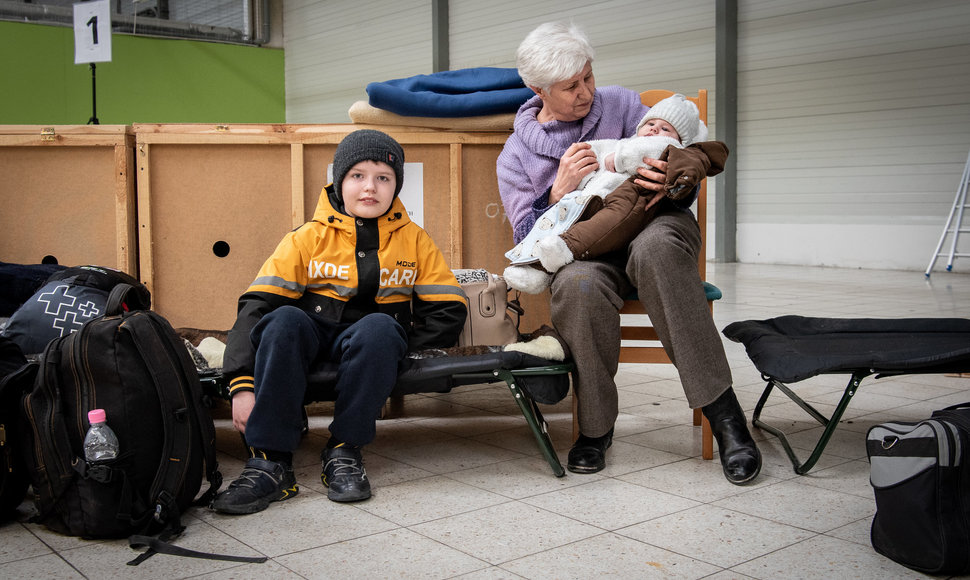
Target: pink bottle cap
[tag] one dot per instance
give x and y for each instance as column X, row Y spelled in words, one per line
column 96, row 416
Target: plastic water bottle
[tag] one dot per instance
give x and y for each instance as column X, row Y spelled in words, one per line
column 100, row 443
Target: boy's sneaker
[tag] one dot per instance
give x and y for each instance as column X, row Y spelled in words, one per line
column 261, row 482
column 344, row 475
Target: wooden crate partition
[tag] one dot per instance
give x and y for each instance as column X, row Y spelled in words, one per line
column 214, row 200
column 67, row 195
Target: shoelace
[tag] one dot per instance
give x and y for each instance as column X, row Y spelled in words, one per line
column 250, row 476
column 345, row 466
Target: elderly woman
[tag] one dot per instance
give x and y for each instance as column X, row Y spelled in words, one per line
column 544, row 159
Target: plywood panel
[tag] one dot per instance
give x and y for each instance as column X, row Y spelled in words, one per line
column 212, row 214
column 67, row 196
column 486, row 231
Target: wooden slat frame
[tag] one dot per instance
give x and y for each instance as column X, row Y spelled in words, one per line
column 118, row 142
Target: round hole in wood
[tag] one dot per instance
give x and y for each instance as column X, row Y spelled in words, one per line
column 220, row 249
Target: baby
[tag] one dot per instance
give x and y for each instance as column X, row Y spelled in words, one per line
column 608, row 209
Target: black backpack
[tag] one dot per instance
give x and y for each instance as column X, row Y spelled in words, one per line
column 920, row 475
column 133, row 365
column 69, row 298
column 13, row 476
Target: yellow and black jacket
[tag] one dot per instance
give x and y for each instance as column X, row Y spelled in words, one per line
column 338, row 268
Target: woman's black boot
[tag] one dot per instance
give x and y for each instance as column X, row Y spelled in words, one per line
column 588, row 454
column 740, row 458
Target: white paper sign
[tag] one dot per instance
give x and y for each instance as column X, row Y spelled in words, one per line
column 412, row 193
column 92, row 32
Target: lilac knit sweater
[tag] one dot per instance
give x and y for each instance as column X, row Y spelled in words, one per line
column 528, row 163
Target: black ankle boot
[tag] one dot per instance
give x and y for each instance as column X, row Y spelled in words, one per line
column 588, row 454
column 740, row 458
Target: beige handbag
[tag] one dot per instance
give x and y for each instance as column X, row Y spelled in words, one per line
column 492, row 318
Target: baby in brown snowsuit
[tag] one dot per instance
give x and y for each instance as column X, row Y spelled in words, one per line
column 609, row 209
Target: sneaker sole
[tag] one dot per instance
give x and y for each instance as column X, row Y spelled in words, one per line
column 238, row 510
column 347, row 497
column 255, row 506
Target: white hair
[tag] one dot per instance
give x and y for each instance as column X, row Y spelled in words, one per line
column 553, row 52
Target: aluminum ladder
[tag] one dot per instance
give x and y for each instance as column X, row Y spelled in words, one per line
column 953, row 224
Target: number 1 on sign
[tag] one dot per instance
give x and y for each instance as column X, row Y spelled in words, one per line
column 93, row 25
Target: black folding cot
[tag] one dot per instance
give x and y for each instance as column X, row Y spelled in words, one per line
column 530, row 379
column 789, row 349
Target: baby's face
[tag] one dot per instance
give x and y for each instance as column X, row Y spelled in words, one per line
column 658, row 127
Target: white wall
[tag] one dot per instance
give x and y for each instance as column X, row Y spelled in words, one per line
column 334, row 48
column 854, row 127
column 854, row 116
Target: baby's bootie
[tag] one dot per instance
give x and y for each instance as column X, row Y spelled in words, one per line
column 553, row 253
column 529, row 278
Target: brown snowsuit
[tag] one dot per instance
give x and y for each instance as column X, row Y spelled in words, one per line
column 610, row 223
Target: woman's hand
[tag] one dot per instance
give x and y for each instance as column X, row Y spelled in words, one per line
column 653, row 176
column 578, row 162
column 242, row 406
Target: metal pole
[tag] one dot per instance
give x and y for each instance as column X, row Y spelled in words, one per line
column 440, row 57
column 94, row 98
column 726, row 112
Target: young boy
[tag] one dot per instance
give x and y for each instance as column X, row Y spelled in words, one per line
column 607, row 210
column 360, row 284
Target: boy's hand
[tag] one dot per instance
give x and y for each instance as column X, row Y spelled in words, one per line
column 242, row 406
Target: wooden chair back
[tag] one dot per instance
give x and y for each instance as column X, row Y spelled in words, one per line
column 635, row 329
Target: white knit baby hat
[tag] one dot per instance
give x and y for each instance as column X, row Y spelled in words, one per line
column 680, row 113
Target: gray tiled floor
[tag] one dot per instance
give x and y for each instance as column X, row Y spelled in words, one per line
column 461, row 490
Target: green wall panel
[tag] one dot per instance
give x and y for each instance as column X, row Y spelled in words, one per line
column 148, row 80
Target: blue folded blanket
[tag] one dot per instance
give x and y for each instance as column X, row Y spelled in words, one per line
column 466, row 92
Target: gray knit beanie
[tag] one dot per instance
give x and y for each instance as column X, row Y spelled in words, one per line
column 682, row 115
column 367, row 145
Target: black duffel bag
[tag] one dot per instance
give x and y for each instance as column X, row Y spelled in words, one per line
column 920, row 476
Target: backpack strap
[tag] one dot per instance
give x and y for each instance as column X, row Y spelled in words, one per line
column 183, row 414
column 169, row 384
column 157, row 545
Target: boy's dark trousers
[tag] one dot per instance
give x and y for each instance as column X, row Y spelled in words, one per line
column 288, row 341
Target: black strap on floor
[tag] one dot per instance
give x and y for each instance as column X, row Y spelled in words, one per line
column 157, row 546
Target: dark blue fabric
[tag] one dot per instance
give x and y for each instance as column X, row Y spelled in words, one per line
column 455, row 93
column 288, row 341
column 69, row 298
column 18, row 282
